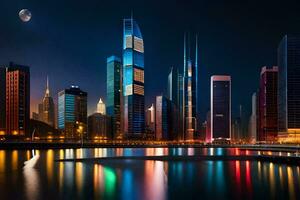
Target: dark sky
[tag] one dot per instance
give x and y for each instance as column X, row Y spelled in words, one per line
column 69, row 41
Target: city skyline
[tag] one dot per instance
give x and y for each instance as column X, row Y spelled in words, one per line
column 48, row 54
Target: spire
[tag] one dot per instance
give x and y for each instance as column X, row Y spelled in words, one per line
column 184, row 53
column 47, row 94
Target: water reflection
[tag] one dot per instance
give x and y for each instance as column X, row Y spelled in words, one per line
column 150, row 179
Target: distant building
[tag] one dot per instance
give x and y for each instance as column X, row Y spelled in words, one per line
column 162, row 123
column 180, row 99
column 35, row 116
column 72, row 112
column 17, row 100
column 190, row 90
column 253, row 119
column 173, row 86
column 48, row 107
column 2, row 101
column 41, row 112
column 133, row 80
column 150, row 119
column 101, row 107
column 208, row 135
column 114, row 95
column 289, row 88
column 99, row 126
column 220, row 107
column 268, row 107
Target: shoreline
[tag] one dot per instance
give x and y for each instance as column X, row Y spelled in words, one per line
column 75, row 145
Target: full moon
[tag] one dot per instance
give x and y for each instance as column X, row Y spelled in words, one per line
column 25, row 15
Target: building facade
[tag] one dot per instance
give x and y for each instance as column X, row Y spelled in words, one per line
column 190, row 83
column 253, row 119
column 162, row 118
column 17, row 104
column 289, row 86
column 101, row 107
column 99, row 127
column 48, row 107
column 150, row 119
column 220, row 107
column 114, row 95
column 72, row 112
column 2, row 101
column 268, row 107
column 133, row 80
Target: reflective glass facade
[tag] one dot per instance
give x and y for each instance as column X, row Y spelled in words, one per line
column 114, row 84
column 220, row 107
column 133, row 79
column 289, row 83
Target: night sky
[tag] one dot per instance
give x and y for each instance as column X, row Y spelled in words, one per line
column 70, row 40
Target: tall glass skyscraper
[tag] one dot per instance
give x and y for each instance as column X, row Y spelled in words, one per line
column 72, row 112
column 133, row 79
column 190, row 77
column 220, row 107
column 48, row 107
column 289, row 85
column 114, row 96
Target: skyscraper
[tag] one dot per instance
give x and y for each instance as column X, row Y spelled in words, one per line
column 17, row 100
column 268, row 107
column 114, row 95
column 163, row 118
column 220, row 104
column 48, row 107
column 190, row 84
column 133, row 80
column 2, row 101
column 173, row 85
column 101, row 107
column 180, row 99
column 289, row 86
column 253, row 119
column 99, row 126
column 72, row 112
column 150, row 118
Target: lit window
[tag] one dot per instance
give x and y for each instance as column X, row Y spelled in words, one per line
column 138, row 45
column 128, row 41
column 138, row 89
column 139, row 75
column 128, row 90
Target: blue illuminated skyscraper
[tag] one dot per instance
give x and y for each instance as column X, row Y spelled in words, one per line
column 133, row 80
column 72, row 112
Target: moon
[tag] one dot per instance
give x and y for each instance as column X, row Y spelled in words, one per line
column 25, row 15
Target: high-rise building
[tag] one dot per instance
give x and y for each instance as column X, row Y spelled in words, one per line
column 150, row 118
column 114, row 95
column 289, row 86
column 48, row 107
column 101, row 107
column 253, row 119
column 173, row 85
column 41, row 112
column 72, row 112
column 17, row 100
column 268, row 107
column 133, row 80
column 163, row 118
column 99, row 126
column 190, row 77
column 2, row 100
column 208, row 128
column 220, row 104
column 180, row 100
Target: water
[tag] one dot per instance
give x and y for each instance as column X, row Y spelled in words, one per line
column 138, row 179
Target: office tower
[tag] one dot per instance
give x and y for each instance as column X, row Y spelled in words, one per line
column 220, row 104
column 35, row 116
column 289, row 87
column 208, row 128
column 17, row 100
column 173, row 85
column 133, row 80
column 253, row 119
column 180, row 100
column 163, row 123
column 190, row 77
column 268, row 107
column 48, row 107
column 101, row 107
column 99, row 126
column 72, row 112
column 114, row 95
column 150, row 118
column 2, row 100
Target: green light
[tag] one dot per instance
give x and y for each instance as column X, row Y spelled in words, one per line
column 110, row 181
